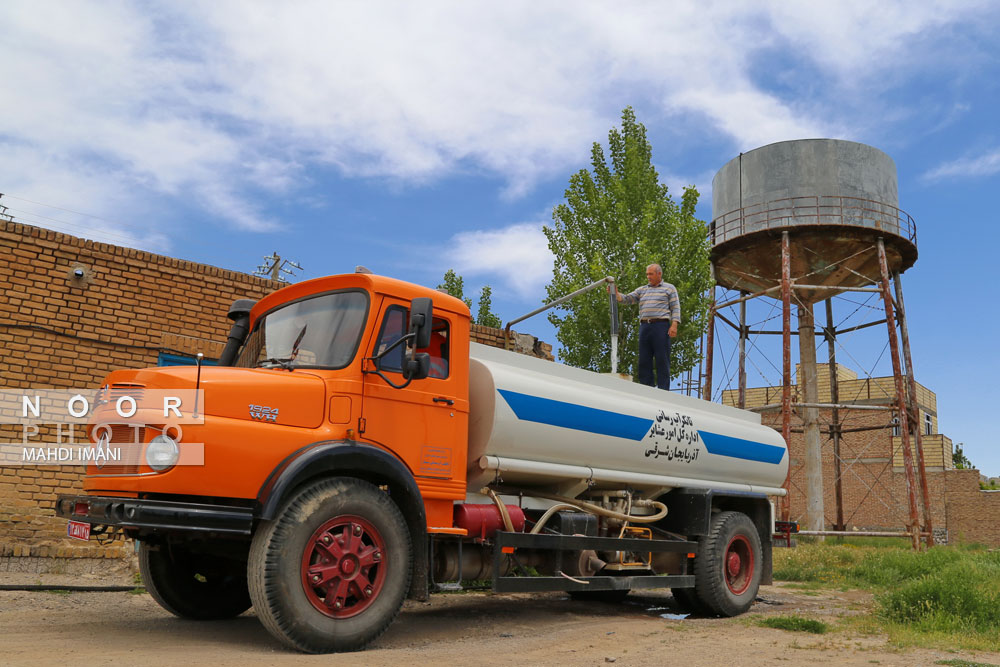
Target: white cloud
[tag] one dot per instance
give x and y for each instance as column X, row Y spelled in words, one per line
column 518, row 254
column 92, row 205
column 861, row 40
column 986, row 164
column 218, row 103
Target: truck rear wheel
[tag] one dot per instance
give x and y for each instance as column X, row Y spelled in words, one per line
column 331, row 571
column 195, row 586
column 728, row 566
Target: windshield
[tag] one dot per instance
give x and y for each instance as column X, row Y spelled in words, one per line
column 319, row 331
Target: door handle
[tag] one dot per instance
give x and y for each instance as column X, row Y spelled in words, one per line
column 442, row 399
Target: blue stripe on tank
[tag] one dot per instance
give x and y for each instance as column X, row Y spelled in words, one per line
column 737, row 448
column 578, row 417
column 604, row 422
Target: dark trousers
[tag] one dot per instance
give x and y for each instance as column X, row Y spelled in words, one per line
column 654, row 344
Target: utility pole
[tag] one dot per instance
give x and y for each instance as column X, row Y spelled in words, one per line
column 4, row 215
column 274, row 266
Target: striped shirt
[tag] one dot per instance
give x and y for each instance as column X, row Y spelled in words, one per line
column 656, row 302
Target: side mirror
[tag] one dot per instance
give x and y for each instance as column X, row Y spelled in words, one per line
column 421, row 317
column 417, row 367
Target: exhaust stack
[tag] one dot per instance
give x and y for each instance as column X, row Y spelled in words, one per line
column 239, row 313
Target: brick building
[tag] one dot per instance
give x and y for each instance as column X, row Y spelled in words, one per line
column 72, row 311
column 873, row 480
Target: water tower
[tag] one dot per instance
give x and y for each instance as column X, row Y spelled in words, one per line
column 799, row 223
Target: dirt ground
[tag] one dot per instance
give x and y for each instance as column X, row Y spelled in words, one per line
column 43, row 628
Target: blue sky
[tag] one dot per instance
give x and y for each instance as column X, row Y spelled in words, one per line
column 417, row 137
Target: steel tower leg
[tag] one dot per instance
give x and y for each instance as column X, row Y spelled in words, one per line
column 786, row 361
column 897, row 376
column 742, row 403
column 709, row 350
column 831, row 342
column 914, row 410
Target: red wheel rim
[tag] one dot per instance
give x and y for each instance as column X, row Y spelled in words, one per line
column 737, row 565
column 343, row 566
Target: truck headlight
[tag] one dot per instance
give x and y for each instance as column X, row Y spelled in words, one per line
column 162, row 452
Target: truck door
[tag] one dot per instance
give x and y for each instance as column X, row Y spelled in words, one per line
column 425, row 423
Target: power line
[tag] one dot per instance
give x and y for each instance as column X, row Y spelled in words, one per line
column 31, row 217
column 68, row 210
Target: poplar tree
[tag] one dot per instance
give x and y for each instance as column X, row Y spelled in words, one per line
column 617, row 219
column 454, row 285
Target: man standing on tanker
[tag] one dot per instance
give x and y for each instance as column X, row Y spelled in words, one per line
column 659, row 314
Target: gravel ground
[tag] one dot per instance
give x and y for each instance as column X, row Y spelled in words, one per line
column 41, row 628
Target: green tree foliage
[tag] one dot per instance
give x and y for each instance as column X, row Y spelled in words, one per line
column 959, row 459
column 454, row 285
column 487, row 317
column 617, row 219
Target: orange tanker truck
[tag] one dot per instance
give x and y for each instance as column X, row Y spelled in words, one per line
column 357, row 449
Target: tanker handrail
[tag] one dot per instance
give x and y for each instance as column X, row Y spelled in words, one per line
column 563, row 299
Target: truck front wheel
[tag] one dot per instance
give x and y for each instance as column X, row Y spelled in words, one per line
column 195, row 586
column 331, row 571
column 728, row 566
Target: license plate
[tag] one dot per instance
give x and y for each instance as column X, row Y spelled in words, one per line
column 78, row 531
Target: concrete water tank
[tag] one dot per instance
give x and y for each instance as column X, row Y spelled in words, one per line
column 839, row 198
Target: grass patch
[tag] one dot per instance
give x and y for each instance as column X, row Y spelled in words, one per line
column 794, row 624
column 958, row 662
column 947, row 596
column 961, row 597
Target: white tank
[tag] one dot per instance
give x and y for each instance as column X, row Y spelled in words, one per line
column 538, row 423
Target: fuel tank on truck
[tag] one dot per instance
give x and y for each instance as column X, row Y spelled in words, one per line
column 537, row 423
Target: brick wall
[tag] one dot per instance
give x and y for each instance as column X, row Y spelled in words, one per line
column 60, row 330
column 523, row 343
column 973, row 515
column 873, row 480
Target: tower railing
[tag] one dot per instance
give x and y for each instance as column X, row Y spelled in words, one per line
column 813, row 210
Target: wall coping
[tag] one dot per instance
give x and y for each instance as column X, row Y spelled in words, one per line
column 31, row 231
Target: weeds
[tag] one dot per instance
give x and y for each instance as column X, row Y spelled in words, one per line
column 963, row 596
column 795, row 624
column 947, row 595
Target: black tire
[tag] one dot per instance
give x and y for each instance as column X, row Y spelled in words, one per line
column 194, row 586
column 728, row 566
column 687, row 598
column 300, row 584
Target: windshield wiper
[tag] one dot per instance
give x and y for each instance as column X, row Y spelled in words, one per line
column 298, row 340
column 284, row 362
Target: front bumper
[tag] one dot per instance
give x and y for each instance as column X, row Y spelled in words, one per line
column 156, row 515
